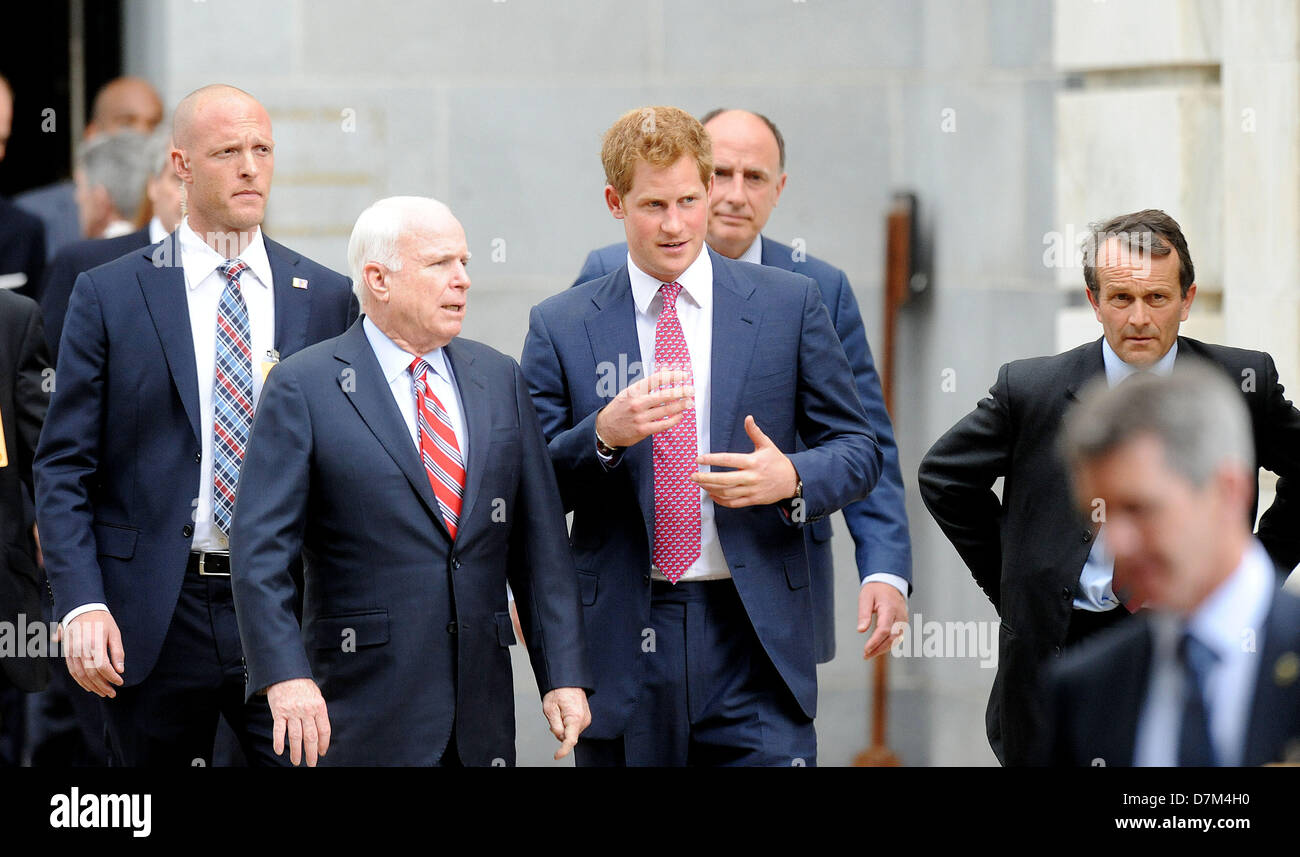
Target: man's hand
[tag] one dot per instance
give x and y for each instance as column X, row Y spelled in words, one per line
column 649, row 406
column 762, row 476
column 36, row 537
column 298, row 709
column 93, row 650
column 567, row 713
column 890, row 608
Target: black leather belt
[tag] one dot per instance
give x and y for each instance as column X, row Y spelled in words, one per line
column 206, row 564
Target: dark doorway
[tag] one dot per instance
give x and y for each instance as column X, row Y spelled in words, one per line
column 36, row 61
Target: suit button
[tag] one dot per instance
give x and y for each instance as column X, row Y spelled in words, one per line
column 1056, row 650
column 1065, row 592
column 451, row 627
column 1087, row 536
column 198, row 456
column 455, row 563
column 645, row 578
column 187, row 531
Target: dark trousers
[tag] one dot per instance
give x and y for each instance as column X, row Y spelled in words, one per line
column 1085, row 623
column 709, row 694
column 170, row 719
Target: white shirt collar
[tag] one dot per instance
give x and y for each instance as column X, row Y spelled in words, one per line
column 157, row 231
column 393, row 361
column 1117, row 370
column 117, row 229
column 754, row 252
column 1239, row 604
column 696, row 282
column 199, row 260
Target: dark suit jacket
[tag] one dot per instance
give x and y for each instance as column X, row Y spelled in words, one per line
column 405, row 631
column 1097, row 691
column 878, row 523
column 117, row 470
column 1027, row 551
column 23, row 400
column 22, row 248
column 61, row 275
column 776, row 356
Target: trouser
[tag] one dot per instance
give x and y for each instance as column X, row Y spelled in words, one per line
column 170, row 719
column 710, row 695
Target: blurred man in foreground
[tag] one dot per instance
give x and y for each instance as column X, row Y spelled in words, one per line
column 1211, row 675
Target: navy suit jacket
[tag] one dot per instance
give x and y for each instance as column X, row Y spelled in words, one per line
column 878, row 523
column 22, row 249
column 1096, row 694
column 117, row 469
column 24, row 396
column 405, row 630
column 62, row 271
column 775, row 356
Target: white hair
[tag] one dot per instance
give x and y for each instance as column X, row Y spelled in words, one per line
column 374, row 237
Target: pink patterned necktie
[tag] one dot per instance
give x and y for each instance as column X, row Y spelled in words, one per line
column 677, row 498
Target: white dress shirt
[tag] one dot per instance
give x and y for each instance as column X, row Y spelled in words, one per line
column 1095, row 592
column 695, row 312
column 394, row 362
column 1231, row 622
column 203, row 287
column 204, row 284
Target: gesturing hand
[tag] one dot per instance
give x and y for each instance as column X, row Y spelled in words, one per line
column 567, row 713
column 651, row 405
column 762, row 476
column 890, row 608
column 298, row 710
column 92, row 648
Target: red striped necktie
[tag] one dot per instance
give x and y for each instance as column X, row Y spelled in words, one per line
column 438, row 448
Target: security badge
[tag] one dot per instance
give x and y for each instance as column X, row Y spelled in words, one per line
column 4, row 453
column 272, row 358
column 299, row 283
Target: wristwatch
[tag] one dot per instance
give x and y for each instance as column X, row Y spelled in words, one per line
column 605, row 449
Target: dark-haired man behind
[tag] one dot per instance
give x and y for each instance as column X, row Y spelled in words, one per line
column 1045, row 569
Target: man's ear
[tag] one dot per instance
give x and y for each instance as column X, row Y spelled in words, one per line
column 1187, row 301
column 780, row 186
column 181, row 165
column 614, row 202
column 372, row 276
column 1092, row 299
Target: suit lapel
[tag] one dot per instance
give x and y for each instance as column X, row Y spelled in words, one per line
column 1089, row 365
column 478, row 424
column 612, row 334
column 1131, row 677
column 735, row 328
column 1276, row 684
column 367, row 389
column 163, row 287
column 292, row 305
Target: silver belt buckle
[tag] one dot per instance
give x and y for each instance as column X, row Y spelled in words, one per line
column 203, row 555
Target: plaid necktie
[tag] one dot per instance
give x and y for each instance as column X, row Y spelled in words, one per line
column 438, row 448
column 232, row 394
column 677, row 498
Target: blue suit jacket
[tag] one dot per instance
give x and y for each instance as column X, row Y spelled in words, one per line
column 117, row 469
column 878, row 523
column 22, row 249
column 1096, row 692
column 405, row 631
column 776, row 356
column 62, row 271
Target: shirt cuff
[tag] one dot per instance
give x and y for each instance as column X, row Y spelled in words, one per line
column 892, row 579
column 84, row 608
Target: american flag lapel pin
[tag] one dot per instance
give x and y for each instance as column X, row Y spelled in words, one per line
column 299, row 283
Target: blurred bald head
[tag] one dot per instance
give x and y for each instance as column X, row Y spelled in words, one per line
column 6, row 114
column 125, row 104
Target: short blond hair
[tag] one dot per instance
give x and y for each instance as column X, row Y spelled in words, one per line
column 660, row 136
